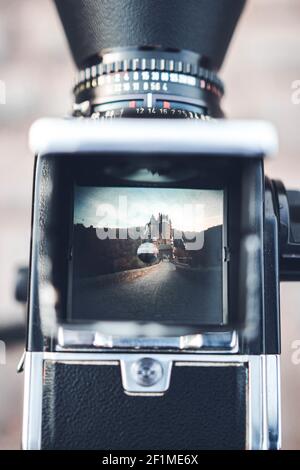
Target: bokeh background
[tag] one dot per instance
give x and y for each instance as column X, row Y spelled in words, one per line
column 262, row 63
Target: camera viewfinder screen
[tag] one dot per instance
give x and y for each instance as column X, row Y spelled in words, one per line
column 148, row 255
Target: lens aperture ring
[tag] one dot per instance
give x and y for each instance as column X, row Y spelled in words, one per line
column 93, row 77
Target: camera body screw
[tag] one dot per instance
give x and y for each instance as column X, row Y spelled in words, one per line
column 147, row 371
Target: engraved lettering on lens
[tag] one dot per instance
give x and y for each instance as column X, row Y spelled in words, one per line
column 123, row 77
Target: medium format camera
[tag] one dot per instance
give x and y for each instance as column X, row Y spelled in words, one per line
column 158, row 243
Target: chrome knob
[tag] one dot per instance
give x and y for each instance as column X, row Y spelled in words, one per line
column 147, row 371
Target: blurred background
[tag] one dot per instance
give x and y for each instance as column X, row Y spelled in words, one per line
column 36, row 69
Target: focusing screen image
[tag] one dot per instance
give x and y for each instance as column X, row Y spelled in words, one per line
column 147, row 254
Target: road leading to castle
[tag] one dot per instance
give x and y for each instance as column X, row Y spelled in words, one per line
column 163, row 294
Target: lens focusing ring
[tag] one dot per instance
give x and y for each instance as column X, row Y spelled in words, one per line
column 129, row 74
column 87, row 78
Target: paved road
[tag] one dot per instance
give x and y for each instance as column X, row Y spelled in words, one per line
column 162, row 294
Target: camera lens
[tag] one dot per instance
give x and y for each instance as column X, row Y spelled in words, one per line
column 148, row 83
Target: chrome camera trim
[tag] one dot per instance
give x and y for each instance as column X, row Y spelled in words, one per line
column 71, row 338
column 263, row 397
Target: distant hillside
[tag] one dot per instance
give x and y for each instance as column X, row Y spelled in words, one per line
column 93, row 257
column 211, row 253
